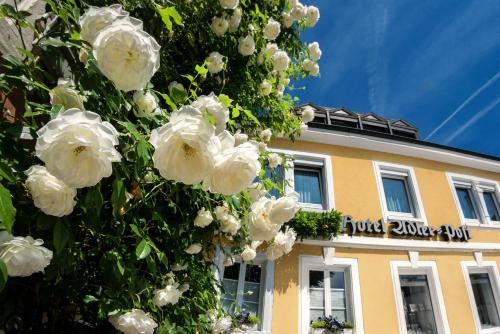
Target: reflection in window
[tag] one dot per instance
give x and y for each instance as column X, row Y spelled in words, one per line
column 419, row 313
column 307, row 182
column 491, row 205
column 485, row 300
column 396, row 194
column 465, row 199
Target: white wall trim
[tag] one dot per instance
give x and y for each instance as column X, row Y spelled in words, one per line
column 415, row 199
column 428, row 268
column 404, row 244
column 326, row 164
column 491, row 268
column 397, row 147
column 306, row 263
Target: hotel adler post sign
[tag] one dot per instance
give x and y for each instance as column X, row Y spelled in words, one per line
column 404, row 228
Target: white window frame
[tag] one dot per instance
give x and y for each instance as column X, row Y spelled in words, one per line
column 408, row 174
column 315, row 161
column 266, row 287
column 491, row 268
column 353, row 290
column 477, row 186
column 429, row 269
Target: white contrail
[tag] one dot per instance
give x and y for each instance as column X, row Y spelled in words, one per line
column 476, row 93
column 473, row 120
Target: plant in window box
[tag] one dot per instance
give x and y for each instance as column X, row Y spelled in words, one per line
column 330, row 325
column 247, row 321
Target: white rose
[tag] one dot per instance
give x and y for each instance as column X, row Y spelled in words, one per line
column 315, row 69
column 134, row 322
column 262, row 147
column 298, row 12
column 95, row 19
column 280, row 90
column 246, row 45
column 193, row 249
column 274, row 160
column 265, row 88
column 65, row 95
column 240, row 138
column 260, row 226
column 272, row 29
column 127, row 55
column 287, row 19
column 24, row 256
column 175, row 85
column 284, row 208
column 229, row 4
column 293, row 3
column 168, row 295
column 307, row 115
column 248, row 254
column 235, row 20
column 265, row 135
column 219, row 25
column 221, row 212
column 228, row 261
column 230, row 225
column 185, row 146
column 280, row 61
column 223, row 324
column 314, row 51
column 282, row 244
column 78, row 148
column 235, row 169
column 271, row 49
column 312, row 16
column 204, row 218
column 212, row 105
column 50, row 194
column 215, row 62
column 255, row 191
column 307, row 65
column 146, row 104
column 303, row 127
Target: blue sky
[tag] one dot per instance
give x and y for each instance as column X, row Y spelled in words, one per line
column 425, row 61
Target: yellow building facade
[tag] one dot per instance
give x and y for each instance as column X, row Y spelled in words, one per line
column 432, row 268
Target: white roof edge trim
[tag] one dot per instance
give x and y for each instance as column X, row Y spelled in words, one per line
column 345, row 241
column 401, row 148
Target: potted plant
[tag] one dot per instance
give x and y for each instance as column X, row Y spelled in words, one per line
column 247, row 321
column 330, row 325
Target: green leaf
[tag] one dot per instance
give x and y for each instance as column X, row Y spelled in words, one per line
column 135, row 229
column 6, row 172
column 61, row 236
column 168, row 13
column 119, row 265
column 225, row 100
column 118, row 197
column 236, row 111
column 131, row 128
column 89, row 298
column 7, row 210
column 4, row 275
column 169, row 101
column 56, row 42
column 201, row 70
column 143, row 249
column 251, row 116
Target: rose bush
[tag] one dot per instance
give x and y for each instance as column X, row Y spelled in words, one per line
column 147, row 163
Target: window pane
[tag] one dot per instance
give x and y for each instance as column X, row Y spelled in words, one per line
column 232, row 272
column 485, row 300
column 396, row 195
column 315, row 314
column 307, row 184
column 465, row 199
column 489, row 200
column 316, row 279
column 338, row 296
column 419, row 313
column 337, row 280
column 230, row 284
column 316, row 294
column 340, row 315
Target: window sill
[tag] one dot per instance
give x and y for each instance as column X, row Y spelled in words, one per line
column 312, row 208
column 477, row 225
column 494, row 330
column 407, row 218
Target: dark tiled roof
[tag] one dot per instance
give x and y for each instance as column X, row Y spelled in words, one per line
column 368, row 122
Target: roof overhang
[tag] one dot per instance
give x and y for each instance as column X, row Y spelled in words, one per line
column 406, row 147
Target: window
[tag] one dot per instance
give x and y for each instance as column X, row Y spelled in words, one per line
column 477, row 200
column 248, row 287
column 466, row 203
column 308, row 183
column 484, row 294
column 398, row 191
column 327, row 295
column 417, row 304
column 330, row 290
column 419, row 300
column 310, row 175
